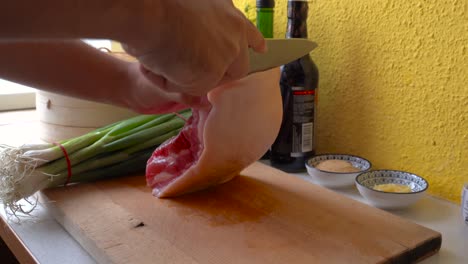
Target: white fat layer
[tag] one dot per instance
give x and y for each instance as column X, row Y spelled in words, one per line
column 169, row 159
column 163, row 176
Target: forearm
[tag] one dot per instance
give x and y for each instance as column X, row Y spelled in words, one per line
column 75, row 69
column 65, row 67
column 110, row 19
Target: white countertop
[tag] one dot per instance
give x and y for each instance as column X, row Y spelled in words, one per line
column 45, row 238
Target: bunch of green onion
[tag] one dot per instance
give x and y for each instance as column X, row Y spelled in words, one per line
column 111, row 151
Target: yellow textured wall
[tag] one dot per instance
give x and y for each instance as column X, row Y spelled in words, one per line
column 393, row 84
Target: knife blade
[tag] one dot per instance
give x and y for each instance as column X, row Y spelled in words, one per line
column 280, row 52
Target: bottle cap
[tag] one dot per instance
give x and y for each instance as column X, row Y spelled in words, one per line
column 265, row 3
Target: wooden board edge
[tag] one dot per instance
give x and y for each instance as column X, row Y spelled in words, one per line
column 69, row 227
column 421, row 252
column 15, row 244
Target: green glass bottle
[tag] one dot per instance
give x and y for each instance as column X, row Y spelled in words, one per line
column 265, row 11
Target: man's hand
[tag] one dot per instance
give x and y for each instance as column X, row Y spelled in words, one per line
column 143, row 96
column 194, row 45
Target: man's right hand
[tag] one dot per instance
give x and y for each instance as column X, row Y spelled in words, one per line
column 190, row 47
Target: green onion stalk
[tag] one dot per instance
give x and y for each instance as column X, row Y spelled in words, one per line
column 111, row 151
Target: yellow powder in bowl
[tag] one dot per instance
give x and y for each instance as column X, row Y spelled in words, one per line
column 335, row 165
column 391, row 187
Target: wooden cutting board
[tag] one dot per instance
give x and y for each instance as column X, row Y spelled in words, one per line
column 262, row 216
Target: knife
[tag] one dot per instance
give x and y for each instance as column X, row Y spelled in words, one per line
column 280, row 52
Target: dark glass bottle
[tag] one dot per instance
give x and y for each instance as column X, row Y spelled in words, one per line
column 299, row 82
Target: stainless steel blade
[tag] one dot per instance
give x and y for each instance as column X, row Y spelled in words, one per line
column 280, row 52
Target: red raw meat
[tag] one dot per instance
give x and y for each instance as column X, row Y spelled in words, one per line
column 237, row 127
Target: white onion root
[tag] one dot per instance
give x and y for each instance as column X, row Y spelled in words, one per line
column 19, row 178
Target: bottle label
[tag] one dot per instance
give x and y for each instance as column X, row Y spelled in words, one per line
column 464, row 203
column 303, row 121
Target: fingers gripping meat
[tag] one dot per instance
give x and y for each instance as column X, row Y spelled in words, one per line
column 219, row 140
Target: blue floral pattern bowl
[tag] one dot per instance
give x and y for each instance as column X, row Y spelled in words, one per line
column 336, row 179
column 366, row 181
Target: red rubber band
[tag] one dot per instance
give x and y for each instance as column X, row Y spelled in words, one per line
column 69, row 169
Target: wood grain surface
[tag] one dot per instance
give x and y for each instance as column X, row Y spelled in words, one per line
column 262, row 216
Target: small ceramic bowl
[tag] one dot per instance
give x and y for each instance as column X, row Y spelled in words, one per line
column 336, row 179
column 391, row 200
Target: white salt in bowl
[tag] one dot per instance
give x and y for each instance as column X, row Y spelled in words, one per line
column 336, row 179
column 366, row 181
